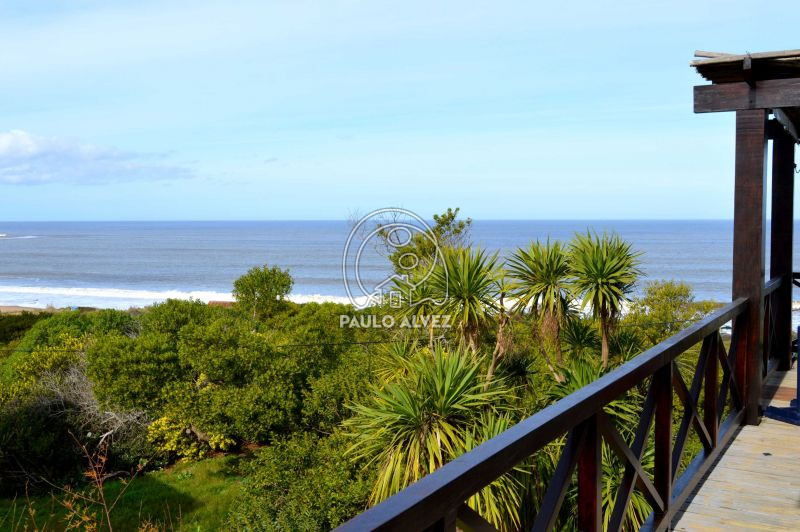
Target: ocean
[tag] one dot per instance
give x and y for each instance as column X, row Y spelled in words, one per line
column 124, row 264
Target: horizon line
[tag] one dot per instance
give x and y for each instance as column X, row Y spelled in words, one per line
column 251, row 220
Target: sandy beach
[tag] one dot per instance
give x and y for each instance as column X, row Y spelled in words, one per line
column 13, row 309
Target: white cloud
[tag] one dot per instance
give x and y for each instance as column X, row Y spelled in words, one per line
column 27, row 159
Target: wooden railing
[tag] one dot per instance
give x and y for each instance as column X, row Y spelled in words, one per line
column 437, row 501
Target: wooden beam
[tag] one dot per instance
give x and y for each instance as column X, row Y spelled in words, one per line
column 710, row 55
column 749, row 237
column 767, row 94
column 559, row 481
column 787, row 123
column 471, row 521
column 781, row 245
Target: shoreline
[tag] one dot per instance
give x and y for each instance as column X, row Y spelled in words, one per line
column 64, row 302
column 16, row 299
column 17, row 309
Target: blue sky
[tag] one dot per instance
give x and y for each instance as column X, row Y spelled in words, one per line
column 317, row 110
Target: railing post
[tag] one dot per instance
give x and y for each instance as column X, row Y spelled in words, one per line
column 766, row 340
column 662, row 389
column 749, row 227
column 711, row 381
column 781, row 245
column 590, row 470
column 446, row 524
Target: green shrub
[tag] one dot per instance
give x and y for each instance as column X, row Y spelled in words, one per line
column 665, row 308
column 172, row 315
column 325, row 401
column 35, row 445
column 48, row 332
column 14, row 326
column 22, row 373
column 301, row 483
column 131, row 372
column 174, row 439
column 262, row 290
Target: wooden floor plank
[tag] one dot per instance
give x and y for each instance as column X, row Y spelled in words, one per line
column 755, row 483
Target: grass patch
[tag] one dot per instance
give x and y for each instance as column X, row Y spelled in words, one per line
column 189, row 496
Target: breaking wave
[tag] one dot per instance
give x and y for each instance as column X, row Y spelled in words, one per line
column 121, row 298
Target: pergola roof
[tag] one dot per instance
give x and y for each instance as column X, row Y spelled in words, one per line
column 728, row 68
column 763, row 80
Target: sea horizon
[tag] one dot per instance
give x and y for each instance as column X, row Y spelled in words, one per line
column 122, row 264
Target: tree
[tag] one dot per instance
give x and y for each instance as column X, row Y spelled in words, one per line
column 468, row 280
column 665, row 308
column 262, row 290
column 540, row 285
column 448, row 232
column 604, row 270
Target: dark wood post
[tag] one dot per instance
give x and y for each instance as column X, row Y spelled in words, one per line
column 662, row 437
column 781, row 244
column 710, row 415
column 590, row 470
column 749, row 230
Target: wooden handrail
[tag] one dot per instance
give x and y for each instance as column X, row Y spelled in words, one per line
column 772, row 285
column 436, row 498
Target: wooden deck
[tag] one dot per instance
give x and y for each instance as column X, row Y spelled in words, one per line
column 755, row 484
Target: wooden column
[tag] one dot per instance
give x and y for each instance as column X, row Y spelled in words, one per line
column 662, row 438
column 781, row 244
column 590, row 471
column 749, row 230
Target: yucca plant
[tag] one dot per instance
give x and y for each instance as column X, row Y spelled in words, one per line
column 540, row 286
column 603, row 270
column 468, row 278
column 625, row 343
column 394, row 360
column 504, row 330
column 420, row 300
column 582, row 372
column 412, row 426
column 580, row 337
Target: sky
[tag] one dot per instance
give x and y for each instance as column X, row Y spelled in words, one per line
column 173, row 110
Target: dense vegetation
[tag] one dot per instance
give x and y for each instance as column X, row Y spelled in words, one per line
column 306, row 423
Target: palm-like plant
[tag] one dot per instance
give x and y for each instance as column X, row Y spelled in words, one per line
column 501, row 501
column 468, row 278
column 540, row 285
column 604, row 270
column 579, row 336
column 415, row 424
column 625, row 343
column 504, row 329
column 419, row 300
